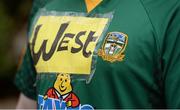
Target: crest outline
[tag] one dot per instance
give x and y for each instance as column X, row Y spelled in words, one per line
column 118, row 38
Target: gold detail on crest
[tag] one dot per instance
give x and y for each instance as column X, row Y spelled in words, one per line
column 118, row 56
column 110, row 58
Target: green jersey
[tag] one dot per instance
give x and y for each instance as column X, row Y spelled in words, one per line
column 128, row 50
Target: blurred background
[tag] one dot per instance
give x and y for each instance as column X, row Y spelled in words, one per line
column 13, row 26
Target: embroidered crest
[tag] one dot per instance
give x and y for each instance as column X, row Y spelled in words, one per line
column 113, row 47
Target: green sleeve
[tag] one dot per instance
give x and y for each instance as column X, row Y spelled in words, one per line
column 26, row 76
column 165, row 18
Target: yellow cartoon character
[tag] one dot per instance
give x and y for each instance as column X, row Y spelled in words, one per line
column 63, row 90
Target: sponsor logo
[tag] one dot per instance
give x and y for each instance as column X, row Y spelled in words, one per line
column 59, row 43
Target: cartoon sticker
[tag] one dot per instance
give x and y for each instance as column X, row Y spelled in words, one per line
column 61, row 96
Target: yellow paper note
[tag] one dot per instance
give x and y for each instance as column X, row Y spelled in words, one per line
column 65, row 43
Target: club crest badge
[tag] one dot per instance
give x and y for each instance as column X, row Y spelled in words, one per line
column 113, row 47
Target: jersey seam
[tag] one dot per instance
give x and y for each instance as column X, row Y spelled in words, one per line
column 153, row 27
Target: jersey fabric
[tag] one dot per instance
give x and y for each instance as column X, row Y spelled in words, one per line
column 149, row 74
